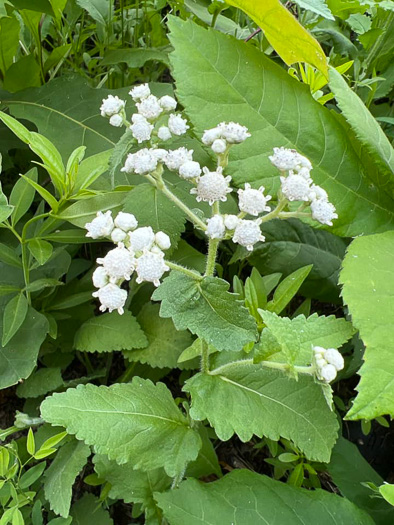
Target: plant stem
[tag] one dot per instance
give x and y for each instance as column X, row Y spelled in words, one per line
column 186, row 271
column 25, row 266
column 124, row 378
column 310, row 370
column 204, row 357
column 178, row 479
column 211, row 258
column 274, row 214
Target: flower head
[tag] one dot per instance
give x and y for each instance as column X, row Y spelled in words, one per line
column 231, row 221
column 190, row 170
column 253, row 201
column 118, row 235
column 116, row 121
column 149, row 107
column 101, row 226
column 162, row 240
column 323, row 211
column 119, row 263
column 219, row 146
column 141, row 238
column 151, row 267
column 111, row 106
column 177, row 157
column 289, row 159
column 215, row 227
column 168, row 103
column 247, row 233
column 210, row 135
column 212, row 186
column 140, row 92
column 164, row 133
column 295, row 188
column 328, row 362
column 126, row 221
column 111, row 298
column 142, row 162
column 141, row 129
column 177, row 125
column 100, row 277
column 233, row 133
column 317, row 193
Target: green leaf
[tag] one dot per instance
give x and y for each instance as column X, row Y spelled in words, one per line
column 207, row 309
column 73, row 236
column 387, row 491
column 297, row 336
column 85, row 210
column 8, row 256
column 152, row 208
column 110, row 332
column 287, row 289
column 365, row 127
column 30, row 444
column 136, row 57
column 14, row 314
column 9, row 41
column 60, row 476
column 279, row 111
column 32, row 475
column 164, row 343
column 244, row 497
column 40, row 383
column 40, row 284
column 6, row 289
column 316, row 6
column 51, row 158
column 23, row 74
column 359, row 23
column 41, row 250
column 91, row 169
column 5, row 212
column 22, row 196
column 250, row 400
column 146, row 413
column 48, row 197
column 133, row 486
column 207, row 462
column 99, row 10
column 19, row 356
column 286, row 35
column 89, row 508
column 367, row 278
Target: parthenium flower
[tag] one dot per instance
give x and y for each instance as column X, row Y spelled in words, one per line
column 149, row 107
column 141, row 128
column 223, row 135
column 212, row 186
column 253, row 201
column 111, row 298
column 111, row 106
column 101, row 226
column 177, row 125
column 142, row 162
column 150, row 267
column 119, row 264
column 289, row 159
column 328, row 362
column 248, row 233
column 140, row 92
column 175, row 158
column 215, row 227
column 168, row 103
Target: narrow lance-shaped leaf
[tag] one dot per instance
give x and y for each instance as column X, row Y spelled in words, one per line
column 14, row 314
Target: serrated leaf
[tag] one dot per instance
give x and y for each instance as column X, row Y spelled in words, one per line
column 164, row 343
column 146, row 414
column 207, row 309
column 40, row 383
column 279, row 111
column 60, row 476
column 133, row 486
column 297, row 336
column 250, row 400
column 89, row 508
column 13, row 316
column 368, row 278
column 244, row 497
column 110, row 332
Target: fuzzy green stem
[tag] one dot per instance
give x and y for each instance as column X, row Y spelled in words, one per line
column 186, row 271
column 310, row 370
column 274, row 214
column 211, row 257
column 204, row 357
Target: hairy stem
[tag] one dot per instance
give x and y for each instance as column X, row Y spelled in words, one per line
column 186, row 271
column 310, row 370
column 211, row 257
column 204, row 357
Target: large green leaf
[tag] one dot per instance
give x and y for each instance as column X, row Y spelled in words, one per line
column 110, row 332
column 219, row 78
column 127, row 422
column 40, row 383
column 248, row 400
column 60, row 476
column 9, row 41
column 165, row 344
column 89, row 507
column 366, row 128
column 368, row 281
column 207, row 309
column 245, row 498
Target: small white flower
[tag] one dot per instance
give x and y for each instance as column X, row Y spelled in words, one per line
column 253, row 201
column 136, row 117
column 168, row 103
column 234, row 133
column 212, row 186
column 323, row 212
column 219, row 146
column 247, row 233
column 101, row 226
column 215, row 227
column 177, row 157
column 210, row 135
column 151, row 267
column 139, row 92
column 116, row 121
column 111, row 298
column 142, row 162
column 231, row 221
column 160, row 154
column 141, row 238
column 119, row 263
column 304, row 172
column 295, row 188
column 141, row 130
column 111, row 105
column 333, row 357
column 327, row 373
column 190, row 170
column 162, row 240
column 304, row 162
column 149, row 107
column 164, row 133
column 317, row 193
column 100, row 277
column 118, row 235
column 289, row 159
column 177, row 125
column 126, row 221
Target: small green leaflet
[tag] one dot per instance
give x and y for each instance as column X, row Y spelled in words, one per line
column 246, row 498
column 41, row 250
column 251, row 400
column 207, row 309
column 110, row 332
column 60, row 476
column 14, row 314
column 126, row 422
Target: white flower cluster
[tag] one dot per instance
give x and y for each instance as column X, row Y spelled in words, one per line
column 138, row 250
column 224, row 135
column 297, row 184
column 328, row 362
column 113, row 107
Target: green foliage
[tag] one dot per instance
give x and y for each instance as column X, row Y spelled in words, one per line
column 40, row 383
column 147, row 414
column 89, row 507
column 191, row 303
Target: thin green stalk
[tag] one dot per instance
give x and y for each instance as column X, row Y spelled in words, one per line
column 204, row 358
column 186, row 271
column 26, row 268
column 274, row 214
column 310, row 370
column 124, row 378
column 211, row 258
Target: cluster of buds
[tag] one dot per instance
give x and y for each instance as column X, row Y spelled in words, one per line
column 138, row 250
column 297, row 184
column 327, row 362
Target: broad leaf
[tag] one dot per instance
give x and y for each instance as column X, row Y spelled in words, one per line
column 133, row 486
column 60, row 476
column 164, row 343
column 13, row 316
column 248, row 400
column 127, row 422
column 22, row 196
column 134, row 57
column 40, row 383
column 286, row 35
column 89, row 508
column 40, row 250
column 279, row 111
column 316, row 6
column 243, row 497
column 368, row 278
column 207, row 309
column 297, row 336
column 110, row 332
column 9, row 41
